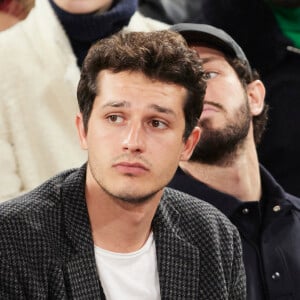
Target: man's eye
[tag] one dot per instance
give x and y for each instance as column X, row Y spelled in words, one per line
column 209, row 75
column 158, row 124
column 115, row 119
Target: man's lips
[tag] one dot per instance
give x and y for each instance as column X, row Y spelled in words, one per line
column 131, row 168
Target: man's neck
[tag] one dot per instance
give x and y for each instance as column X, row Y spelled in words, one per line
column 240, row 178
column 118, row 226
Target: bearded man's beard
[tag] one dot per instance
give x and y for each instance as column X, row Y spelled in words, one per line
column 220, row 146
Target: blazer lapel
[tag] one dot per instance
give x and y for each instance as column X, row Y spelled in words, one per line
column 178, row 260
column 82, row 280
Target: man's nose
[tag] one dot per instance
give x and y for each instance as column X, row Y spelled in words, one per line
column 134, row 139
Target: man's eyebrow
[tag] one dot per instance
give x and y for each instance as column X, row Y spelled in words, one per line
column 116, row 104
column 156, row 107
column 209, row 59
column 162, row 109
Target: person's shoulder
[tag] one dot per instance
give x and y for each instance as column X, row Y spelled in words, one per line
column 293, row 199
column 193, row 208
column 138, row 22
column 270, row 184
column 32, row 225
column 33, row 203
column 199, row 221
column 33, row 221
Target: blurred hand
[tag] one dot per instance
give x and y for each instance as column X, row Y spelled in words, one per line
column 7, row 20
column 13, row 11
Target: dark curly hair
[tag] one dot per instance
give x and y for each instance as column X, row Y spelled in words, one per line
column 160, row 55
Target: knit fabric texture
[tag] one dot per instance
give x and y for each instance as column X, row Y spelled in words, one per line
column 47, row 251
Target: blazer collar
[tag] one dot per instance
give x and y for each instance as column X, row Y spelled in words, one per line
column 82, row 278
column 178, row 261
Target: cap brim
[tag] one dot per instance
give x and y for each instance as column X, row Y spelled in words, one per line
column 204, row 34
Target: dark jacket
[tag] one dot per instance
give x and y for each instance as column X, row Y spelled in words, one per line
column 270, row 232
column 47, row 251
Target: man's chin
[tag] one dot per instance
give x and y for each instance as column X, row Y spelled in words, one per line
column 134, row 197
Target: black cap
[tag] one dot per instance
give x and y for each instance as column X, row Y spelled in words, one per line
column 212, row 36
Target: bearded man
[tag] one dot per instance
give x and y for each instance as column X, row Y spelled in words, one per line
column 224, row 169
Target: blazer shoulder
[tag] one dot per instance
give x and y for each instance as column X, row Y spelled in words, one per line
column 35, row 202
column 189, row 204
column 32, row 225
column 197, row 213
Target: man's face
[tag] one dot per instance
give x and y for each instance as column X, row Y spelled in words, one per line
column 226, row 117
column 135, row 135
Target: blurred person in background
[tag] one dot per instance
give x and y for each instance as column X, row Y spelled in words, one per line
column 269, row 33
column 224, row 169
column 41, row 58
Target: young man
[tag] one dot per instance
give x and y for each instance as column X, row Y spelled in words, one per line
column 110, row 229
column 224, row 169
column 40, row 58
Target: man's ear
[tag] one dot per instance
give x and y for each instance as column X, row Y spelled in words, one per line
column 190, row 144
column 81, row 131
column 256, row 96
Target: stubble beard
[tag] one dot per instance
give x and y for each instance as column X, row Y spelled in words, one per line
column 125, row 197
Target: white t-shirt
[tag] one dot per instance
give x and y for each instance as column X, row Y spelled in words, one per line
column 131, row 276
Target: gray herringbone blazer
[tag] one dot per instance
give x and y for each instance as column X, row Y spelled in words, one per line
column 47, row 252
